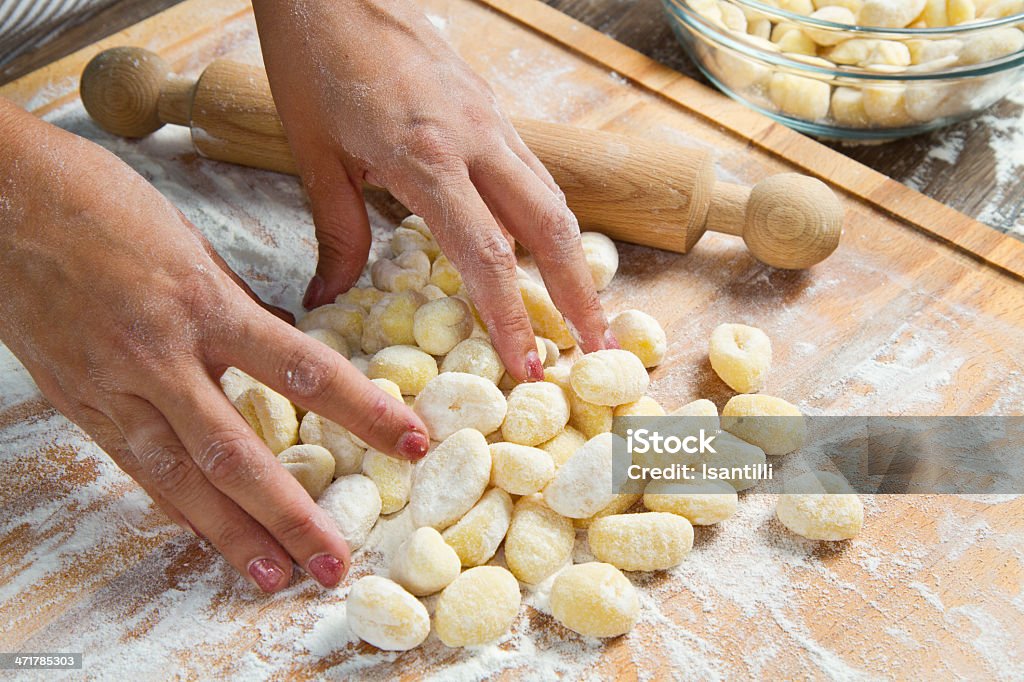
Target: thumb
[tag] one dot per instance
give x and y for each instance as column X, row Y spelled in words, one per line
column 342, row 232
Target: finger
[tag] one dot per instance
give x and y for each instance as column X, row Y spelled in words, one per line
column 517, row 145
column 548, row 229
column 470, row 237
column 342, row 232
column 109, row 438
column 238, row 464
column 296, row 366
column 224, row 267
column 246, row 545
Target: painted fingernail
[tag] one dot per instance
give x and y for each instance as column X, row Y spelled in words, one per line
column 313, row 291
column 610, row 341
column 327, row 569
column 534, row 367
column 267, row 574
column 413, row 445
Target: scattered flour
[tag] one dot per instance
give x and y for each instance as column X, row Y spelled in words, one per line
column 146, row 599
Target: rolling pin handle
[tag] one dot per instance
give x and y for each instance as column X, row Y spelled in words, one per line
column 788, row 221
column 122, row 89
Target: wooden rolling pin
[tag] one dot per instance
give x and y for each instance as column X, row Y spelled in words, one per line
column 631, row 189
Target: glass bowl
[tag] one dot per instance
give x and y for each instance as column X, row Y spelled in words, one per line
column 840, row 81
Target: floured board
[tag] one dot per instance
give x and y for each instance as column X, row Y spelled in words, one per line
column 896, row 322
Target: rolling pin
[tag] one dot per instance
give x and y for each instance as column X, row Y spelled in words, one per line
column 631, row 189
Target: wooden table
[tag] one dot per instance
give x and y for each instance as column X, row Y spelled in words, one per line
column 896, row 321
column 964, row 178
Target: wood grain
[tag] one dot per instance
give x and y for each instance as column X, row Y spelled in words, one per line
column 894, row 323
column 968, row 183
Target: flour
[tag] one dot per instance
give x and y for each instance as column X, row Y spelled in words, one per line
column 1005, row 136
column 150, row 600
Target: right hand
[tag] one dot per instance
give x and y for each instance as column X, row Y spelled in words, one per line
column 126, row 317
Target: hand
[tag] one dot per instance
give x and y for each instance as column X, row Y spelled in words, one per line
column 126, row 318
column 369, row 92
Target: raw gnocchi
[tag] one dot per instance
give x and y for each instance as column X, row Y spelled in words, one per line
column 381, row 613
column 475, row 356
column 407, row 366
column 476, row 536
column 641, row 335
column 424, row 563
column 609, row 377
column 770, row 423
column 455, row 400
column 595, row 600
column 520, row 469
column 477, row 607
column 440, row 325
column 311, row 465
column 835, row 513
column 583, row 485
column 536, row 412
column 648, row 541
column 353, row 502
column 741, row 356
column 450, row 479
column 270, row 415
column 702, row 503
column 539, row 540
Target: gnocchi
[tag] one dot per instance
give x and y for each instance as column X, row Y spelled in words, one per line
column 602, row 258
column 440, row 325
column 741, row 356
column 702, row 503
column 407, row 366
column 353, row 502
column 595, row 600
column 455, row 400
column 311, row 465
column 393, row 478
column 450, row 479
column 539, row 540
column 609, row 377
column 520, row 469
column 476, row 536
column 648, row 541
column 347, row 453
column 271, row 416
column 770, row 423
column 478, row 607
column 835, row 513
column 641, row 335
column 536, row 412
column 475, row 356
column 381, row 613
column 583, row 485
column 425, row 563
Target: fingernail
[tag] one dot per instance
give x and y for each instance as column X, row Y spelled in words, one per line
column 534, row 367
column 327, row 569
column 610, row 341
column 412, row 445
column 267, row 574
column 313, row 291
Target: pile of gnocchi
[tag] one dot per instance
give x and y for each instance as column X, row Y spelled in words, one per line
column 523, row 466
column 859, row 102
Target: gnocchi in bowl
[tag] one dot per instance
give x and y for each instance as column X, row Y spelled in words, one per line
column 862, row 70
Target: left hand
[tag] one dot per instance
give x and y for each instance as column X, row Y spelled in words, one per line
column 368, row 91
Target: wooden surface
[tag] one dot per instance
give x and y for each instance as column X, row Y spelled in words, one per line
column 894, row 323
column 956, row 166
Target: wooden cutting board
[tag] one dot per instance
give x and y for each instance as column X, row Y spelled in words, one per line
column 921, row 311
